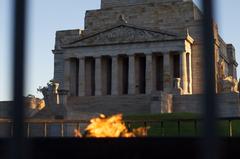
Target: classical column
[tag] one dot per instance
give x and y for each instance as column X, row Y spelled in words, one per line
column 183, row 72
column 67, row 64
column 167, row 73
column 98, row 76
column 154, row 72
column 115, row 76
column 82, row 77
column 149, row 73
column 131, row 75
column 189, row 70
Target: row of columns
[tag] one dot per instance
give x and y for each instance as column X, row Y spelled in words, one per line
column 115, row 80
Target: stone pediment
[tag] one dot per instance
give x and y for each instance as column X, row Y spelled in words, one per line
column 122, row 34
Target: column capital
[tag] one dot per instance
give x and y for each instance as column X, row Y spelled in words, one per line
column 97, row 57
column 165, row 52
column 81, row 57
column 114, row 56
column 131, row 55
column 148, row 53
column 71, row 57
column 183, row 52
column 67, row 58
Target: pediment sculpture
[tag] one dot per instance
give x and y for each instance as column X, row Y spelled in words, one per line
column 122, row 34
column 51, row 98
column 177, row 89
column 229, row 84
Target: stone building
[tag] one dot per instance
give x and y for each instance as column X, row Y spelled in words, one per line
column 141, row 56
column 133, row 57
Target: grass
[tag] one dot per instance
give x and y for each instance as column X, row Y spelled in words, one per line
column 187, row 128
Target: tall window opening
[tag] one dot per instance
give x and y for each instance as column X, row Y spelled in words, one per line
column 176, row 66
column 159, row 73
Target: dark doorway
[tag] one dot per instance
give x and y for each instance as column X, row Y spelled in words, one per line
column 90, row 76
column 125, row 67
column 109, row 75
column 74, row 73
column 77, row 77
column 159, row 73
column 142, row 74
column 176, row 66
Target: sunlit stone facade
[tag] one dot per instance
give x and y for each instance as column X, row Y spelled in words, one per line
column 132, row 48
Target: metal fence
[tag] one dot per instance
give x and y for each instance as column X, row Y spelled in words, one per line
column 65, row 128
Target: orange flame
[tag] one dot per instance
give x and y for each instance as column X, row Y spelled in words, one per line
column 110, row 127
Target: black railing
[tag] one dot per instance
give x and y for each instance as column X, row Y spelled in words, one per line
column 66, row 127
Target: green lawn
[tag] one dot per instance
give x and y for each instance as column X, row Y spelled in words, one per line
column 170, row 128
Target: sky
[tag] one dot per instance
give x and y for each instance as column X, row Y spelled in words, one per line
column 45, row 17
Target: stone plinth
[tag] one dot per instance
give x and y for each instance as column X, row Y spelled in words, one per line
column 161, row 103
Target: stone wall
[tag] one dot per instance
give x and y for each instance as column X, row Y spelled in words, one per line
column 229, row 105
column 135, row 104
column 5, row 112
column 5, row 109
column 161, row 103
column 187, row 103
column 65, row 36
column 156, row 103
column 168, row 16
column 59, row 69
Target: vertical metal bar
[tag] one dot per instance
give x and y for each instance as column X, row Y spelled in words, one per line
column 45, row 129
column 195, row 127
column 62, row 129
column 78, row 126
column 11, row 124
column 179, row 129
column 17, row 146
column 28, row 129
column 210, row 139
column 128, row 125
column 162, row 129
column 145, row 124
column 230, row 128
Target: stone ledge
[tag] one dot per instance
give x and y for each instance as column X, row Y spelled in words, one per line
column 122, row 3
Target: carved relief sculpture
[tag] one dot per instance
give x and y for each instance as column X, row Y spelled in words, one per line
column 177, row 86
